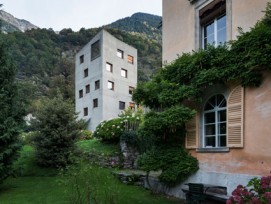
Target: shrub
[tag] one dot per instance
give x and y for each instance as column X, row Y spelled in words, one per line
column 175, row 162
column 111, row 130
column 86, row 135
column 257, row 191
column 58, row 130
column 28, row 137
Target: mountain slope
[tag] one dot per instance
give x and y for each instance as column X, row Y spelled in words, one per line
column 11, row 24
column 142, row 24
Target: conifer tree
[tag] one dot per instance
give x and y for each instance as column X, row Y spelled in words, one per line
column 10, row 112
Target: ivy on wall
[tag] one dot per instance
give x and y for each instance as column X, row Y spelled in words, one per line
column 178, row 85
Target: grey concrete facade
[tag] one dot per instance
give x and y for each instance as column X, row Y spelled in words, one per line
column 103, row 79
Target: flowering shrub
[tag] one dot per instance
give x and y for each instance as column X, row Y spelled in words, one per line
column 111, row 130
column 258, row 191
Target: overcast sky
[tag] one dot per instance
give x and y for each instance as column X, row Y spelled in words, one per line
column 75, row 14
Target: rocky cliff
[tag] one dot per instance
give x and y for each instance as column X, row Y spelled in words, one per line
column 10, row 23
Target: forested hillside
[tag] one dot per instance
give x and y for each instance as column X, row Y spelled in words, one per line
column 45, row 58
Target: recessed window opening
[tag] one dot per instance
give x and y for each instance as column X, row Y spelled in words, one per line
column 85, row 111
column 110, row 85
column 213, row 23
column 86, row 73
column 109, row 67
column 121, row 105
column 120, row 53
column 123, row 73
column 87, row 88
column 95, row 103
column 81, row 58
column 81, row 93
column 130, row 59
column 95, row 50
column 97, row 84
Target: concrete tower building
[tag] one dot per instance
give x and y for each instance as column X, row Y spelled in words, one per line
column 105, row 77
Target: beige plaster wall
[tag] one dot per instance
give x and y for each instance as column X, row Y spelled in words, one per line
column 178, row 28
column 255, row 157
column 181, row 28
column 246, row 13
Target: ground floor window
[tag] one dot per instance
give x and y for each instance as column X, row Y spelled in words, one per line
column 215, row 122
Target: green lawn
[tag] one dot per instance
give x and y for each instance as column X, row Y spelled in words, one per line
column 37, row 185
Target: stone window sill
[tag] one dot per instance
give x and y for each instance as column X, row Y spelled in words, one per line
column 213, row 150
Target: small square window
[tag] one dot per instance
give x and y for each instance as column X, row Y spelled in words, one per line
column 85, row 111
column 131, row 90
column 110, row 85
column 81, row 59
column 132, row 105
column 130, row 59
column 95, row 50
column 123, row 73
column 121, row 105
column 97, row 84
column 95, row 103
column 109, row 67
column 87, row 88
column 81, row 93
column 86, row 73
column 120, row 53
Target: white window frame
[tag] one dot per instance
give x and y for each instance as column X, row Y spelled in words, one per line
column 215, row 110
column 216, row 43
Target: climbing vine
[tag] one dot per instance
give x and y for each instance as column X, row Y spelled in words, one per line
column 174, row 88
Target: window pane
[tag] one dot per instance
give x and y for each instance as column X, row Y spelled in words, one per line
column 209, row 40
column 210, row 117
column 222, row 141
column 209, row 30
column 210, row 129
column 222, row 116
column 221, row 23
column 222, row 128
column 221, row 36
column 221, row 101
column 210, row 141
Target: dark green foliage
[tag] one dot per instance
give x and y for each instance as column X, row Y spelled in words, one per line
column 141, row 23
column 175, row 162
column 11, row 112
column 166, row 126
column 130, row 137
column 58, row 130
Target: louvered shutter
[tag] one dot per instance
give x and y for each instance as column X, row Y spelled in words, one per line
column 235, row 118
column 191, row 140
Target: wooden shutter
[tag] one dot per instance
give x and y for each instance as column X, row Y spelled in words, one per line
column 191, row 140
column 235, row 118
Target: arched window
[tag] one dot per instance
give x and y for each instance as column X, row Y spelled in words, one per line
column 215, row 122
